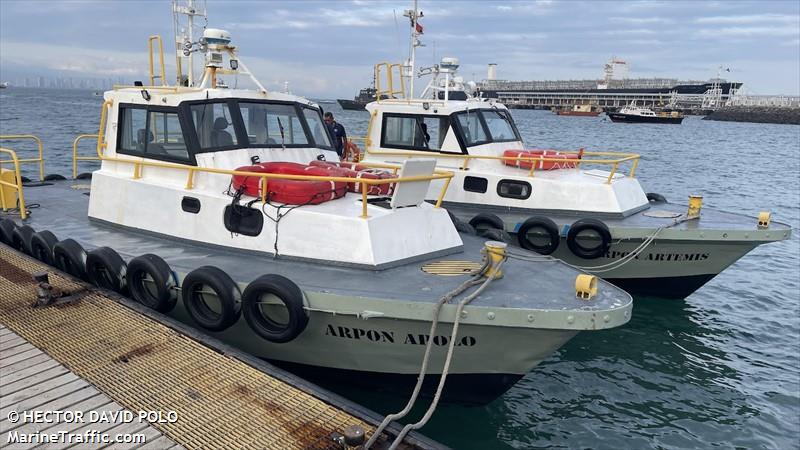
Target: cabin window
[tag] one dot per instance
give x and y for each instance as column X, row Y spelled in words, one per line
column 514, row 189
column 414, row 132
column 214, row 125
column 472, row 128
column 151, row 132
column 318, row 130
column 499, row 126
column 475, row 184
column 273, row 124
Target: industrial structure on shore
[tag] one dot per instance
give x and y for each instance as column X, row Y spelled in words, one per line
column 612, row 91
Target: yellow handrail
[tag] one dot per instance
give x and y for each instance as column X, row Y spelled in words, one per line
column 162, row 74
column 76, row 158
column 263, row 177
column 40, row 159
column 390, row 88
column 615, row 162
column 15, row 186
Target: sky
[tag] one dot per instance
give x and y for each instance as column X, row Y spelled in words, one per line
column 327, row 49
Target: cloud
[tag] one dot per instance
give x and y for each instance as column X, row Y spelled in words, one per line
column 81, row 61
column 642, row 20
column 763, row 31
column 749, row 18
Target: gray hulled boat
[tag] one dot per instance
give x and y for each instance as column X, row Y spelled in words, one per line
column 586, row 208
column 207, row 207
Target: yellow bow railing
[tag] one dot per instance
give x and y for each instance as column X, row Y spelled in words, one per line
column 16, row 186
column 39, row 160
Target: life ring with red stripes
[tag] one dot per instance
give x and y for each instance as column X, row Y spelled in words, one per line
column 290, row 192
column 536, row 159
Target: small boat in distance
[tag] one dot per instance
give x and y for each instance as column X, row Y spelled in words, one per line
column 4, row 85
column 364, row 96
column 637, row 114
column 579, row 110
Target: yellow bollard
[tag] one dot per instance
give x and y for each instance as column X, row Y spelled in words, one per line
column 496, row 251
column 764, row 218
column 585, row 286
column 695, row 204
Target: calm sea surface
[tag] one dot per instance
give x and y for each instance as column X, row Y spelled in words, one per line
column 720, row 369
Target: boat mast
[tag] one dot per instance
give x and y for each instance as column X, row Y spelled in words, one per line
column 185, row 45
column 413, row 16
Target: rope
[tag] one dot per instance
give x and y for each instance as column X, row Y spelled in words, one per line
column 421, row 423
column 472, row 281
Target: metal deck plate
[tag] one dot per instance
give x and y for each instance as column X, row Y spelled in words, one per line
column 661, row 214
column 451, row 268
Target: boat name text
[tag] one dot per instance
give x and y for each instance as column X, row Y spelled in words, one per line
column 390, row 338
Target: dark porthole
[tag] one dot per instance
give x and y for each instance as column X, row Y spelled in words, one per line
column 476, row 184
column 514, row 189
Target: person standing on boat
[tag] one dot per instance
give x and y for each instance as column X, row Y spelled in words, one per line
column 337, row 132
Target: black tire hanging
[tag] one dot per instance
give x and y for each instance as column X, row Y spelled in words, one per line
column 42, row 244
column 497, row 235
column 54, row 177
column 159, row 292
column 545, row 224
column 461, row 226
column 589, row 225
column 227, row 293
column 84, row 176
column 7, row 227
column 70, row 257
column 485, row 221
column 289, row 294
column 21, row 239
column 652, row 197
column 107, row 270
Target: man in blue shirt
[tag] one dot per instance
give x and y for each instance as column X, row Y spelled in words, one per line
column 337, row 133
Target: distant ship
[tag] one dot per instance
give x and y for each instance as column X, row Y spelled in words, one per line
column 615, row 81
column 4, row 85
column 635, row 114
column 579, row 110
column 364, row 96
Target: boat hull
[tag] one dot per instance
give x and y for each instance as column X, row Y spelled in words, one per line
column 351, row 105
column 633, row 118
column 579, row 113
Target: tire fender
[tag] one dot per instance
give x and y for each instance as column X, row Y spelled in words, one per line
column 484, row 221
column 21, row 239
column 42, row 244
column 226, row 290
column 7, row 227
column 70, row 257
column 652, row 197
column 107, row 270
column 589, row 224
column 164, row 297
column 289, row 294
column 548, row 226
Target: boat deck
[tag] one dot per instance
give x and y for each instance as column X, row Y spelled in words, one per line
column 104, row 352
column 545, row 285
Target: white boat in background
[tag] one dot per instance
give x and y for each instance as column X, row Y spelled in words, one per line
column 638, row 114
column 584, row 207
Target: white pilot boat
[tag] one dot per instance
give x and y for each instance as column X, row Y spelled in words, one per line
column 208, row 207
column 583, row 207
column 637, row 114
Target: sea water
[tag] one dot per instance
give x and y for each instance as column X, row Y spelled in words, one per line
column 719, row 369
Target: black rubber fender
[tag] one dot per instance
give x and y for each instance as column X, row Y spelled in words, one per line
column 70, row 257
column 54, row 177
column 107, row 270
column 652, row 197
column 84, row 176
column 484, row 221
column 497, row 235
column 548, row 226
column 227, row 292
column 21, row 239
column 461, row 226
column 7, row 227
column 589, row 224
column 25, row 179
column 289, row 294
column 42, row 243
column 161, row 296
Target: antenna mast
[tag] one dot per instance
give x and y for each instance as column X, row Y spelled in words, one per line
column 416, row 31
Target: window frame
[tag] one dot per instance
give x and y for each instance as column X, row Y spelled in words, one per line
column 387, row 115
column 513, row 181
column 460, row 131
column 236, row 121
column 190, row 160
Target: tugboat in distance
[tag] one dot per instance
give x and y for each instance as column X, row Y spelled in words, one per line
column 637, row 114
column 364, row 96
column 579, row 110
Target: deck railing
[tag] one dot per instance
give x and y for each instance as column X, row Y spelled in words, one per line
column 76, row 157
column 39, row 160
column 614, row 159
column 140, row 164
column 387, row 69
column 16, row 186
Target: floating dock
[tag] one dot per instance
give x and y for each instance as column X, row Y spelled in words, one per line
column 103, row 352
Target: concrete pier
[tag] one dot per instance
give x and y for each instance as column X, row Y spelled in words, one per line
column 758, row 114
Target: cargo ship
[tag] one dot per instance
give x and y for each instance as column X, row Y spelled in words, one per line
column 364, row 96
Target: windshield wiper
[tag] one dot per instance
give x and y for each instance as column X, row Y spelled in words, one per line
column 283, row 138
